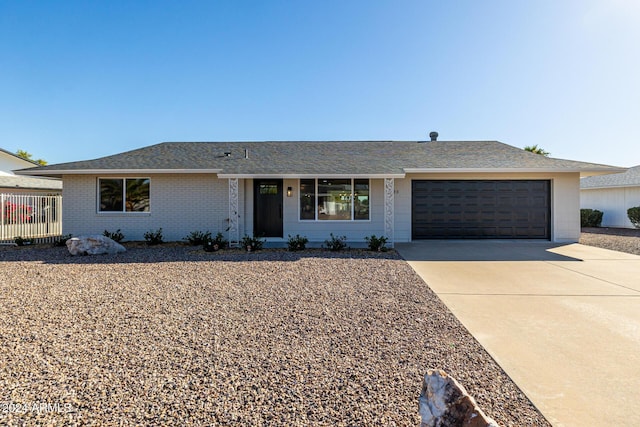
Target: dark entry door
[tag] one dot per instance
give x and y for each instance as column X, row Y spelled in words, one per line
column 267, row 217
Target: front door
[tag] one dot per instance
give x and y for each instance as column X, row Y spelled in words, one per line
column 267, row 213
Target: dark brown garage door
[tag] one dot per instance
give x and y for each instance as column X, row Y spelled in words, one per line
column 481, row 209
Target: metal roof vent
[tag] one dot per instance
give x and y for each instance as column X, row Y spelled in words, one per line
column 433, row 136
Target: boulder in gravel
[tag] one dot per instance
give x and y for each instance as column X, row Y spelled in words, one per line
column 93, row 245
column 445, row 403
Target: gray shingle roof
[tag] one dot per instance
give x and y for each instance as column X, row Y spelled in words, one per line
column 630, row 178
column 317, row 158
column 25, row 182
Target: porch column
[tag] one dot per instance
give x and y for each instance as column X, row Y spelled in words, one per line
column 234, row 231
column 388, row 209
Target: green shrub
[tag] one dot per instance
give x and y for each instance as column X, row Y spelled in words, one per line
column 376, row 244
column 297, row 243
column 335, row 243
column 154, row 237
column 196, row 238
column 212, row 244
column 634, row 216
column 252, row 243
column 61, row 241
column 590, row 218
column 21, row 242
column 116, row 236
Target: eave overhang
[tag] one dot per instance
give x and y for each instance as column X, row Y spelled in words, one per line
column 308, row 175
column 582, row 172
column 60, row 172
column 607, row 187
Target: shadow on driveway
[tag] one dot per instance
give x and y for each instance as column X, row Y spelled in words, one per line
column 481, row 250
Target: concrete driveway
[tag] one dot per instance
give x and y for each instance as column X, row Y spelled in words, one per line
column 563, row 320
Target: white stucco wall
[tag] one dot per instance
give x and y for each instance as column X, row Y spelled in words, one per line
column 179, row 204
column 9, row 163
column 565, row 205
column 613, row 202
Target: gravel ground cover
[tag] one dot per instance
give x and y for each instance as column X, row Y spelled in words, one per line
column 617, row 239
column 178, row 336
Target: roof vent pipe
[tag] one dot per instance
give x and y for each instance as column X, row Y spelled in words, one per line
column 246, row 153
column 433, row 136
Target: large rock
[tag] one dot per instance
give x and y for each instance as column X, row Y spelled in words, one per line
column 445, row 403
column 93, row 245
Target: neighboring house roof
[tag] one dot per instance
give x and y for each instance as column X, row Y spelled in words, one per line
column 28, row 183
column 18, row 157
column 14, row 162
column 307, row 158
column 630, row 178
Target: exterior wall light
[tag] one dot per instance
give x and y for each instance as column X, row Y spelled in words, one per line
column 289, row 191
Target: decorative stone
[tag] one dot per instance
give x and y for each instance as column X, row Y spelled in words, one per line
column 93, row 245
column 445, row 403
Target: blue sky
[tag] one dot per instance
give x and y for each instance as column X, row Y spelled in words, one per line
column 85, row 79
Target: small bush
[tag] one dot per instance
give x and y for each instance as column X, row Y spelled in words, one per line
column 116, row 236
column 297, row 243
column 376, row 244
column 154, row 237
column 21, row 242
column 335, row 243
column 590, row 218
column 252, row 243
column 634, row 216
column 196, row 238
column 213, row 244
column 61, row 241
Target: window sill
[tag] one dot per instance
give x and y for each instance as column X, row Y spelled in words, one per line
column 123, row 213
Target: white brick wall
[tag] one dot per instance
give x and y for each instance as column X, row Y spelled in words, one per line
column 179, row 203
column 182, row 203
column 319, row 231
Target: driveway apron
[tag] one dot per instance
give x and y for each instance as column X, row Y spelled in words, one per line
column 562, row 320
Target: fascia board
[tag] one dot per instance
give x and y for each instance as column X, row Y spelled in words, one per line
column 315, row 175
column 582, row 172
column 606, row 187
column 114, row 171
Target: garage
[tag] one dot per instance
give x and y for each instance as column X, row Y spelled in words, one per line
column 481, row 209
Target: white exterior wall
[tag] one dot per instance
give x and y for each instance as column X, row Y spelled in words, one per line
column 179, row 204
column 565, row 208
column 565, row 205
column 9, row 163
column 613, row 202
column 182, row 203
column 318, row 231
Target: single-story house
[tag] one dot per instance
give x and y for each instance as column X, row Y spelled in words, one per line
column 404, row 190
column 613, row 195
column 13, row 184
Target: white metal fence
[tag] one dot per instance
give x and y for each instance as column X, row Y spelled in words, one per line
column 30, row 217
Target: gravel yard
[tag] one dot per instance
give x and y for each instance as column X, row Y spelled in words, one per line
column 617, row 239
column 175, row 336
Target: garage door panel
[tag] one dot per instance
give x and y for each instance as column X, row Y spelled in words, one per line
column 481, row 209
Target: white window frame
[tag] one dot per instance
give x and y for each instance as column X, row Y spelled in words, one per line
column 329, row 221
column 124, row 196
